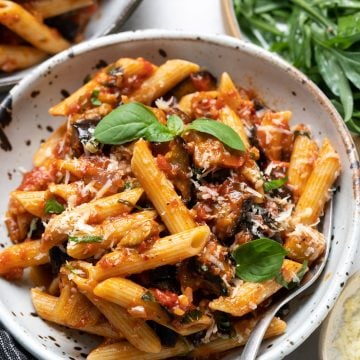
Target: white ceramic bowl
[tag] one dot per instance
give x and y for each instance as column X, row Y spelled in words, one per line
column 276, row 82
column 109, row 17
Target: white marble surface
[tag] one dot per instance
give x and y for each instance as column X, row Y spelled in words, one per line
column 203, row 17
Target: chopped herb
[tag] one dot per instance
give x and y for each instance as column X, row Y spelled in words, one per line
column 128, row 186
column 258, row 260
column 52, row 206
column 94, row 97
column 191, row 315
column 86, row 239
column 274, row 184
column 130, row 204
column 296, row 279
column 148, row 296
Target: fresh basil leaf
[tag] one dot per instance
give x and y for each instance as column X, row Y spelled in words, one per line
column 86, row 239
column 274, row 184
column 130, row 122
column 148, row 296
column 94, row 98
column 221, row 131
column 258, row 260
column 295, row 280
column 158, row 133
column 52, row 206
column 175, row 124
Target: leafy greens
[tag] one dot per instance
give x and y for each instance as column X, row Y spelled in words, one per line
column 321, row 38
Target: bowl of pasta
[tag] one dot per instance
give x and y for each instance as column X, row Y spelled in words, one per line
column 46, row 27
column 163, row 189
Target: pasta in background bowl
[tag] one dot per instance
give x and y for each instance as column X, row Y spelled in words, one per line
column 47, row 27
column 273, row 81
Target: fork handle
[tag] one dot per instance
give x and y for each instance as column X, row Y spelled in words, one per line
column 252, row 345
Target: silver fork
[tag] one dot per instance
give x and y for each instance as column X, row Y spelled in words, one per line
column 252, row 345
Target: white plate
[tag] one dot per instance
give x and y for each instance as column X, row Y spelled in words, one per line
column 108, row 19
column 276, row 82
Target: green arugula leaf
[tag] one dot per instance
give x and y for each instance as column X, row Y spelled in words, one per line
column 175, row 124
column 274, row 184
column 296, row 279
column 335, row 79
column 94, row 98
column 258, row 260
column 86, row 239
column 130, row 122
column 321, row 38
column 221, row 131
column 52, row 206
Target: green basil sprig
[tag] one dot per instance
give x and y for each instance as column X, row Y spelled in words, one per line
column 86, row 239
column 133, row 121
column 274, row 184
column 258, row 260
column 52, row 206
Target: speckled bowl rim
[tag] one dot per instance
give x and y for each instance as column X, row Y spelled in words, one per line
column 350, row 251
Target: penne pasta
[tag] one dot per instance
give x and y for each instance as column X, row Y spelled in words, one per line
column 129, row 68
column 168, row 250
column 124, row 351
column 44, row 154
column 45, row 305
column 50, row 8
column 250, row 295
column 32, row 201
column 27, row 253
column 128, row 295
column 61, row 226
column 303, row 156
column 30, row 28
column 165, row 77
column 160, row 190
column 229, row 117
column 243, row 330
column 17, row 57
column 316, row 192
column 136, row 331
column 111, row 232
